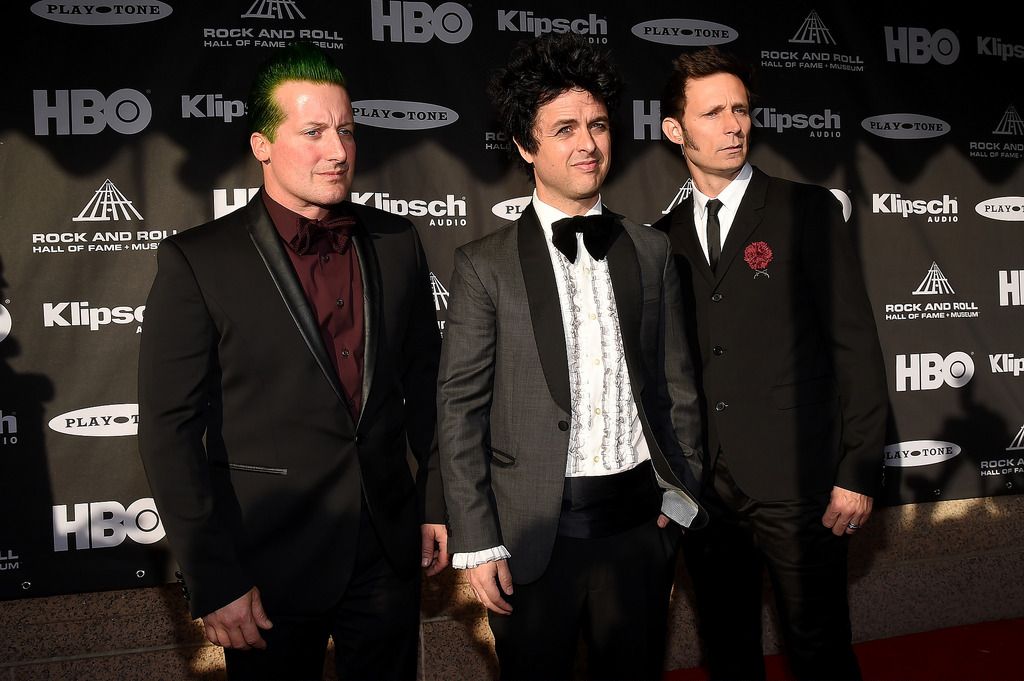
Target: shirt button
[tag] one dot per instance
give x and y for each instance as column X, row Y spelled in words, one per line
column 597, row 411
column 324, row 258
column 593, row 315
column 345, row 353
column 597, row 361
column 718, row 350
column 339, row 302
column 721, row 406
column 716, row 297
column 563, row 425
column 597, row 459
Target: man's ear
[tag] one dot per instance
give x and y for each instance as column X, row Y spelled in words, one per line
column 527, row 156
column 260, row 147
column 673, row 130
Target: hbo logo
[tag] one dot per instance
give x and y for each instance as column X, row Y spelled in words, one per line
column 103, row 524
column 918, row 45
column 416, row 22
column 88, row 112
column 930, row 371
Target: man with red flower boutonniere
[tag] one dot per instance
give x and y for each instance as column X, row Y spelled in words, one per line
column 792, row 378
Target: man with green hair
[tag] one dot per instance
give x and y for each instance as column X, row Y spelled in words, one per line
column 288, row 364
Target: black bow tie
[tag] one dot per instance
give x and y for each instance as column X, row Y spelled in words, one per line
column 338, row 230
column 599, row 232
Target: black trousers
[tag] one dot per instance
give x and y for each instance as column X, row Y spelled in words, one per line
column 614, row 591
column 375, row 627
column 807, row 567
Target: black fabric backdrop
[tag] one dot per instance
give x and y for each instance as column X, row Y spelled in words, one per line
column 124, row 122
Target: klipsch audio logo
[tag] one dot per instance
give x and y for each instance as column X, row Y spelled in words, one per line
column 211, row 106
column 824, row 124
column 90, row 112
column 8, row 428
column 399, row 115
column 105, row 524
column 101, row 12
column 520, row 21
column 109, row 420
column 943, row 209
column 919, row 453
column 931, row 371
column 447, row 212
column 816, row 51
column 418, row 22
column 905, row 126
column 689, row 32
column 78, row 313
column 910, row 45
column 989, row 46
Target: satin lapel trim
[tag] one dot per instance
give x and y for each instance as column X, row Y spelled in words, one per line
column 627, row 284
column 370, row 270
column 747, row 219
column 683, row 236
column 265, row 238
column 545, row 310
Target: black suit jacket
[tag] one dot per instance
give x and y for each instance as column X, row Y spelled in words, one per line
column 791, row 369
column 258, row 470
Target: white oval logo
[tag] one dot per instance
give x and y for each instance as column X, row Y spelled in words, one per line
column 685, row 32
column 100, row 13
column 844, row 200
column 398, row 115
column 1006, row 208
column 5, row 323
column 905, row 126
column 920, row 453
column 512, row 208
column 108, row 420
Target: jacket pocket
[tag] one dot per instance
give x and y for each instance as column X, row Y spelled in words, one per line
column 248, row 468
column 813, row 391
column 500, row 458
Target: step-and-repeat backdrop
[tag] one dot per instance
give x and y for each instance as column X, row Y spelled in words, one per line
column 124, row 122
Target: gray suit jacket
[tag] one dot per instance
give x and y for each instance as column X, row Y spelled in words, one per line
column 503, row 400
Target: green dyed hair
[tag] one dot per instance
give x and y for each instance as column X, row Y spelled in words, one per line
column 299, row 61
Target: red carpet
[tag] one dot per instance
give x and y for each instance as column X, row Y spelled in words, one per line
column 991, row 651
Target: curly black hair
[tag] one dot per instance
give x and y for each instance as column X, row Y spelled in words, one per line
column 538, row 71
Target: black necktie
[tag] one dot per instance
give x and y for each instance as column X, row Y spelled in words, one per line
column 337, row 229
column 599, row 232
column 714, row 233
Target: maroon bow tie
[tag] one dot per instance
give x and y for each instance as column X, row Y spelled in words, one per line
column 338, row 230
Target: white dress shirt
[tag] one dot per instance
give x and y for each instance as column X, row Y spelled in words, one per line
column 730, row 198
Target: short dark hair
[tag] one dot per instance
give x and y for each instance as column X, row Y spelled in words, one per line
column 299, row 61
column 702, row 63
column 538, row 71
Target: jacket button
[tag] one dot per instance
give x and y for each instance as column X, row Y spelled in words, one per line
column 718, row 350
column 563, row 425
column 716, row 297
column 721, row 406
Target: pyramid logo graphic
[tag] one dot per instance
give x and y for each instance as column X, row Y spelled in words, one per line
column 813, row 30
column 108, row 203
column 1011, row 123
column 1018, row 441
column 934, row 283
column 440, row 293
column 681, row 195
column 274, row 9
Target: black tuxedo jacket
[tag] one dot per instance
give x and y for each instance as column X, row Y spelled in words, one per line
column 790, row 366
column 258, row 470
column 505, row 407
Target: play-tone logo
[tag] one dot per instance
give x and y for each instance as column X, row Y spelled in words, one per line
column 109, row 420
column 511, row 209
column 685, row 32
column 399, row 115
column 5, row 323
column 1004, row 208
column 920, row 453
column 100, row 12
column 905, row 126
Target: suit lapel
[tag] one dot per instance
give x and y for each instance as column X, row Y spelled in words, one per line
column 747, row 219
column 268, row 244
column 624, row 271
column 545, row 310
column 683, row 235
column 370, row 270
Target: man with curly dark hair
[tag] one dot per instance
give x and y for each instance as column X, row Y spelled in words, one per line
column 568, row 416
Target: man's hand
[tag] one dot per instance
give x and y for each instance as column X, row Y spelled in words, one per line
column 434, row 548
column 485, row 579
column 847, row 511
column 663, row 520
column 237, row 624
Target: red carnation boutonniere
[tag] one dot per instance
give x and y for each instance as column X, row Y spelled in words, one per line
column 758, row 256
